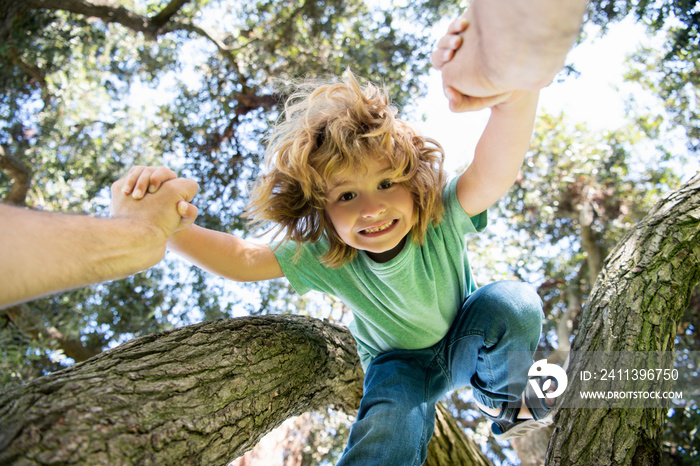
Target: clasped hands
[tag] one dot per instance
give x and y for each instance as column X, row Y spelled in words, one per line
column 466, row 81
column 156, row 197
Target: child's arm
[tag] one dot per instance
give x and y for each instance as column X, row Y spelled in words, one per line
column 226, row 255
column 505, row 140
column 219, row 253
column 499, row 153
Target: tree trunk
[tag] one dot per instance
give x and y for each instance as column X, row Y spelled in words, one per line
column 638, row 299
column 202, row 394
column 450, row 445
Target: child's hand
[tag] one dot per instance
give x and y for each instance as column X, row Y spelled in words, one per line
column 167, row 212
column 449, row 43
column 141, row 180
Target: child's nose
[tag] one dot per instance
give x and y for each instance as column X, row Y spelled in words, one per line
column 372, row 208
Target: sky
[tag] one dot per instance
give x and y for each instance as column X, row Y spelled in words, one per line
column 595, row 97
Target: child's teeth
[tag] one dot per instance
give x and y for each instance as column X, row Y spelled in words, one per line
column 383, row 227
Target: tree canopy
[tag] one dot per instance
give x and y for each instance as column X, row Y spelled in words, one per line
column 89, row 89
column 74, row 76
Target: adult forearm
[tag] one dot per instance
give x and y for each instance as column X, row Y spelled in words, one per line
column 43, row 253
column 523, row 43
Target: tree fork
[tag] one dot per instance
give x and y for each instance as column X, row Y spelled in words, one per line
column 638, row 299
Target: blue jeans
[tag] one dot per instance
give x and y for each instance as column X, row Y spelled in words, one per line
column 396, row 418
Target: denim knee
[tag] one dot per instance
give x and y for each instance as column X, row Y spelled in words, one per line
column 499, row 327
column 513, row 307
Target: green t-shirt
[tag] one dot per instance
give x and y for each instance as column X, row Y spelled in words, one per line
column 406, row 303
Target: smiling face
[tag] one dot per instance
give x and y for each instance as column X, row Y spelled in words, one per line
column 370, row 212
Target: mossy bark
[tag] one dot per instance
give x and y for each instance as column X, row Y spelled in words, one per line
column 635, row 305
column 202, row 394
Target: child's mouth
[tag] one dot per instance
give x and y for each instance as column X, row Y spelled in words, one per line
column 378, row 228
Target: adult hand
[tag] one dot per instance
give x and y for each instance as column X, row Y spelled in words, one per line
column 466, row 87
column 506, row 45
column 166, row 211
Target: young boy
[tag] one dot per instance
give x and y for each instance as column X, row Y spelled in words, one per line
column 360, row 199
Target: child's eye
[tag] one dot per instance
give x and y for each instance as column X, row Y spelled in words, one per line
column 386, row 184
column 346, row 197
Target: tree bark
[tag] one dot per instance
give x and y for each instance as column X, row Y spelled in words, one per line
column 638, row 299
column 20, row 173
column 450, row 445
column 202, row 394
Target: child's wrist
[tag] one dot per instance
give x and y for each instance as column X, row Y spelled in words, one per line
column 518, row 101
column 178, row 238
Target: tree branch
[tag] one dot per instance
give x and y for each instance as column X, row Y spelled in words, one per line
column 208, row 391
column 211, row 36
column 106, row 10
column 152, row 27
column 168, row 12
column 202, row 394
column 20, row 173
column 31, row 326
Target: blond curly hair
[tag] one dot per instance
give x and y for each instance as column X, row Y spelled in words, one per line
column 331, row 129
